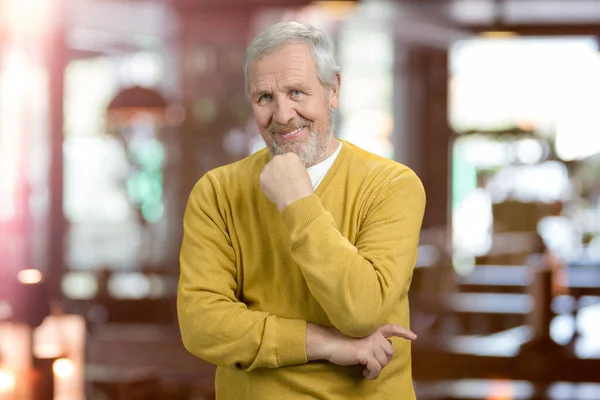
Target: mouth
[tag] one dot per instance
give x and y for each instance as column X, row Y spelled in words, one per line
column 293, row 134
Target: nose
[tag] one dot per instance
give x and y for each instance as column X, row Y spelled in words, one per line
column 284, row 111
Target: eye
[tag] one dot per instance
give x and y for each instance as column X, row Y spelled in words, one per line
column 264, row 98
column 296, row 93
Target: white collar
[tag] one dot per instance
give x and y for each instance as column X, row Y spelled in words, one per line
column 317, row 172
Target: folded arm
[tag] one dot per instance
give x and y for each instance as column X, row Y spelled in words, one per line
column 215, row 325
column 358, row 285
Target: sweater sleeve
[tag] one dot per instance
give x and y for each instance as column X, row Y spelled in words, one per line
column 358, row 286
column 214, row 324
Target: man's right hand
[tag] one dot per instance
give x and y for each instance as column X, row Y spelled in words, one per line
column 374, row 351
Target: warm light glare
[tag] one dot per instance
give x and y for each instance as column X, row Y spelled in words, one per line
column 63, row 336
column 7, row 381
column 63, row 368
column 28, row 16
column 30, row 276
column 5, row 310
column 48, row 350
column 501, row 390
column 498, row 34
column 336, row 7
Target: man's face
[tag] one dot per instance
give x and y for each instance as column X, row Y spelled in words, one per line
column 291, row 107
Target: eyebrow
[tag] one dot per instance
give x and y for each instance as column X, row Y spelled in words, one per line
column 295, row 85
column 259, row 92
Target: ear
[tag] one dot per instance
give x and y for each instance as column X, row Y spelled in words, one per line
column 334, row 91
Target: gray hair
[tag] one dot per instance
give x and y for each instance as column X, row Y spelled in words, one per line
column 286, row 32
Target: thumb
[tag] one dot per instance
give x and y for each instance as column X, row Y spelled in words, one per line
column 390, row 330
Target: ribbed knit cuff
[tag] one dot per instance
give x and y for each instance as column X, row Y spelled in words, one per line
column 301, row 213
column 291, row 342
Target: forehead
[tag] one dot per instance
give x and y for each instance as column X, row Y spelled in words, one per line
column 288, row 63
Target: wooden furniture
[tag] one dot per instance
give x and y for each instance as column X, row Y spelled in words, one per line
column 497, row 357
column 135, row 358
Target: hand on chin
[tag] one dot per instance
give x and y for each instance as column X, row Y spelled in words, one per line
column 285, row 180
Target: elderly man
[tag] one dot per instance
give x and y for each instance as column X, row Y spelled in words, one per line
column 296, row 261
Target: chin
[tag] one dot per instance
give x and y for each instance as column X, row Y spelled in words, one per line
column 311, row 150
column 297, row 148
column 291, row 147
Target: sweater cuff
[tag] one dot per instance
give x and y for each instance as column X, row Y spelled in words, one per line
column 291, row 342
column 301, row 213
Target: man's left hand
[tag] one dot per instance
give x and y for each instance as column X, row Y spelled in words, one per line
column 285, row 180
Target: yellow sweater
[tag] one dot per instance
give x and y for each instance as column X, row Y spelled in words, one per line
column 251, row 277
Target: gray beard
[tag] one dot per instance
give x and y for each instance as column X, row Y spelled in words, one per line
column 310, row 152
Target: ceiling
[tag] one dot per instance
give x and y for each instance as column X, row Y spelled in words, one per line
column 526, row 16
column 101, row 25
column 535, row 17
column 476, row 14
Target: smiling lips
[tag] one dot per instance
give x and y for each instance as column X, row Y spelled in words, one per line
column 293, row 134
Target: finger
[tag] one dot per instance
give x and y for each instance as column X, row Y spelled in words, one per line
column 390, row 330
column 388, row 348
column 370, row 375
column 363, row 359
column 373, row 365
column 381, row 357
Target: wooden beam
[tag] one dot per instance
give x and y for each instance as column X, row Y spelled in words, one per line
column 57, row 225
column 540, row 30
column 543, row 368
column 239, row 5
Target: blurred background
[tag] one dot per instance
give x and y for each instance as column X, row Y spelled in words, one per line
column 111, row 110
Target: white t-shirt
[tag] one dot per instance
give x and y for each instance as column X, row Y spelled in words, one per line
column 318, row 172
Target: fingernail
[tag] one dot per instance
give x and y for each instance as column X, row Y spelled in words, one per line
column 413, row 336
